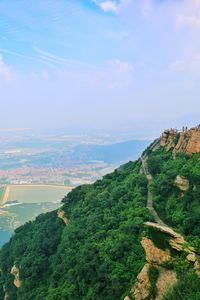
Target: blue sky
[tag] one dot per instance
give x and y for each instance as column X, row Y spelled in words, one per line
column 98, row 65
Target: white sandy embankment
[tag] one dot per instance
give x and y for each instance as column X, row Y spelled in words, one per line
column 41, row 185
column 9, row 187
column 6, row 194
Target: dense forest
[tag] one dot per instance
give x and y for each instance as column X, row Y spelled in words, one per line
column 98, row 255
column 179, row 209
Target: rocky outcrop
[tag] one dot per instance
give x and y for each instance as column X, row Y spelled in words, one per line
column 142, row 285
column 178, row 243
column 165, row 229
column 193, row 145
column 192, row 257
column 166, row 278
column 168, row 139
column 181, row 141
column 197, row 267
column 61, row 215
column 154, row 255
column 15, row 272
column 182, row 183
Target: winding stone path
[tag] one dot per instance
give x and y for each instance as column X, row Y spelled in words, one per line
column 149, row 196
column 179, row 240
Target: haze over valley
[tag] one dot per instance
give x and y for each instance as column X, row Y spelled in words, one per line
column 38, row 169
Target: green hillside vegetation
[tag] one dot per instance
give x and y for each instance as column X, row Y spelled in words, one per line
column 181, row 210
column 98, row 255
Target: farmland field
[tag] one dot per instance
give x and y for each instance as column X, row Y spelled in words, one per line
column 31, row 200
column 36, row 193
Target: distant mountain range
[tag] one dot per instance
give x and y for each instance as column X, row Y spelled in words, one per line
column 110, row 153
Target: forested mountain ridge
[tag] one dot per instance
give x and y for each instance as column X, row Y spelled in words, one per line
column 102, row 245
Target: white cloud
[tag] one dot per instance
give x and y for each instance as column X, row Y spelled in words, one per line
column 111, row 5
column 5, row 71
column 178, row 65
column 191, row 21
column 191, row 63
column 119, row 66
column 189, row 16
column 114, row 74
column 111, row 75
column 45, row 75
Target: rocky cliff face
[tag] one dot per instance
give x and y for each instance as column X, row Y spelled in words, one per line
column 185, row 140
column 182, row 183
column 15, row 272
column 61, row 215
column 155, row 258
column 158, row 259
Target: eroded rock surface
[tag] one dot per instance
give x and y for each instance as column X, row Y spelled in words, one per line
column 197, row 267
column 178, row 243
column 185, row 140
column 61, row 215
column 142, row 286
column 182, row 183
column 165, row 229
column 193, row 145
column 166, row 279
column 154, row 255
column 15, row 272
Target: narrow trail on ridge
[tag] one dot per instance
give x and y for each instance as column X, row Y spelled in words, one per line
column 149, row 196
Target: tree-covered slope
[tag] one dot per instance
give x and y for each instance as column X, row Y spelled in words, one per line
column 97, row 256
column 97, row 244
column 179, row 206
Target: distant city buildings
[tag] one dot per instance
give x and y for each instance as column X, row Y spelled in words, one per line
column 83, row 174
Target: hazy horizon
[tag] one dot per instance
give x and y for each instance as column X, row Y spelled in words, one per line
column 100, row 65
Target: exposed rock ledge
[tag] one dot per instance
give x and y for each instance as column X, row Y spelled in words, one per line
column 142, row 286
column 61, row 215
column 166, row 279
column 155, row 258
column 15, row 272
column 182, row 183
column 178, row 243
column 182, row 141
column 165, row 229
column 154, row 255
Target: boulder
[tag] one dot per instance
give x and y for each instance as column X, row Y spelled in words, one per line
column 142, row 286
column 15, row 272
column 182, row 183
column 155, row 255
column 61, row 215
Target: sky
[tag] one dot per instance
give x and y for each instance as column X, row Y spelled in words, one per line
column 100, row 65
